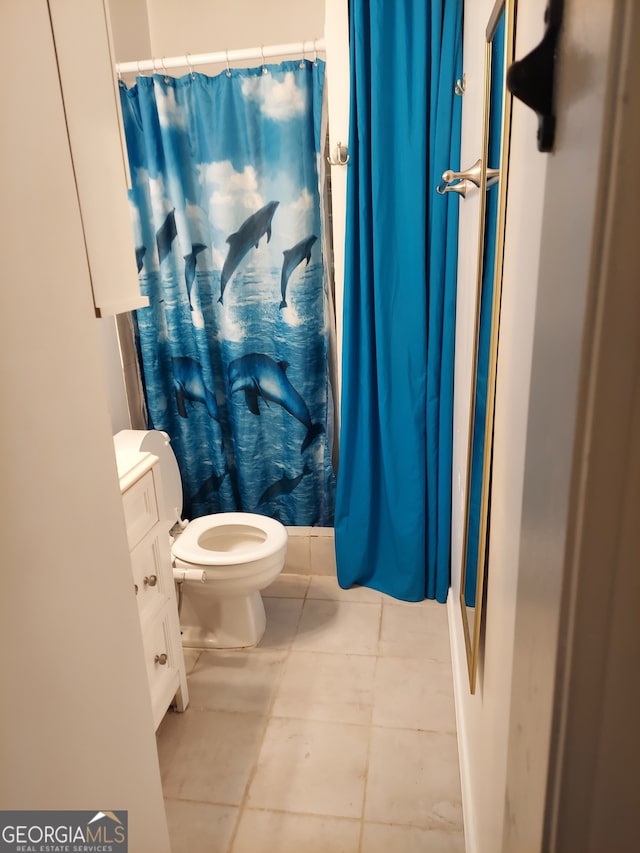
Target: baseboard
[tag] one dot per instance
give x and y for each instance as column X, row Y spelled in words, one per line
column 461, row 691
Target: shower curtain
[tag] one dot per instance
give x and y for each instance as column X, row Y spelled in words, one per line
column 226, row 175
column 393, row 503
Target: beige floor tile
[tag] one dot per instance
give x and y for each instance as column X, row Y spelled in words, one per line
column 236, row 680
column 276, row 832
column 332, row 687
column 418, row 632
column 379, row 838
column 190, row 659
column 322, row 555
column 311, row 767
column 283, row 615
column 338, row 626
column 414, row 694
column 327, row 588
column 287, row 586
column 208, row 755
column 414, row 779
column 199, row 826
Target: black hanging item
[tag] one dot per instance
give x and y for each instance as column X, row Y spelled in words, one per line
column 532, row 79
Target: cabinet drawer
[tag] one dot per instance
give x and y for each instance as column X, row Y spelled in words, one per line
column 149, row 563
column 140, row 508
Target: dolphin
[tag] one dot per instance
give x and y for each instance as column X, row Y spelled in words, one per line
column 190, row 266
column 188, row 384
column 260, row 376
column 141, row 251
column 211, row 484
column 293, row 257
column 165, row 235
column 245, row 237
column 284, row 486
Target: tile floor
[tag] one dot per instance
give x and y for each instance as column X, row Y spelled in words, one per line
column 335, row 735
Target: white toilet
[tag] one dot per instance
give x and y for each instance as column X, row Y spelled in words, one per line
column 240, row 553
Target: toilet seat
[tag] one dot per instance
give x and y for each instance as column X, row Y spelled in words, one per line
column 229, row 539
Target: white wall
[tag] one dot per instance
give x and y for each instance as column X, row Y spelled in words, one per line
column 200, row 26
column 483, row 719
column 116, row 390
column 77, row 729
column 130, row 29
column 130, row 40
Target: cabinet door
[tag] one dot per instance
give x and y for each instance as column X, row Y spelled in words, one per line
column 162, row 667
column 89, row 90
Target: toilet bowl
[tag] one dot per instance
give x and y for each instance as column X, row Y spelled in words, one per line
column 240, row 554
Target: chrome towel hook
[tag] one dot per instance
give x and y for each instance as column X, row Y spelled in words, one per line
column 462, row 188
column 341, row 156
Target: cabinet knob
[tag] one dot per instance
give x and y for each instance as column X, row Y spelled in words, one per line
column 161, row 659
column 151, row 580
column 135, row 586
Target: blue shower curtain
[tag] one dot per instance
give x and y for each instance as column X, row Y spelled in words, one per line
column 233, row 346
column 393, row 503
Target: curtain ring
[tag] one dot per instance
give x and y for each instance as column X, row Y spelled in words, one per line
column 315, row 53
column 228, row 71
column 140, row 74
column 166, row 75
column 190, row 66
column 264, row 66
column 302, row 60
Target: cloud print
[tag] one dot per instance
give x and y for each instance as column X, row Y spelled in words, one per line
column 169, row 113
column 233, row 196
column 277, row 101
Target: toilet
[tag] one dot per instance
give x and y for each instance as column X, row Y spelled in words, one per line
column 234, row 555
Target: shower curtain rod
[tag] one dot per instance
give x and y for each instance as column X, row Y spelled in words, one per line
column 188, row 60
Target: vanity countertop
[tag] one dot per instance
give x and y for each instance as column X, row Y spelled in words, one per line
column 132, row 463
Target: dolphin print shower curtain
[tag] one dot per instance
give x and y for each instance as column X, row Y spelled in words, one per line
column 226, row 179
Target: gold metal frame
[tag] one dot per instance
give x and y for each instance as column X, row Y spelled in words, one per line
column 472, row 638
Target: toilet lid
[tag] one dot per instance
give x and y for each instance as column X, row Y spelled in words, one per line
column 229, row 538
column 158, row 443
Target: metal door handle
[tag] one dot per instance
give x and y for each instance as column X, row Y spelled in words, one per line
column 151, row 580
column 161, row 659
column 472, row 174
column 463, row 186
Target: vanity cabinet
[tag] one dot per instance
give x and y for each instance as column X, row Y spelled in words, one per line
column 148, row 537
